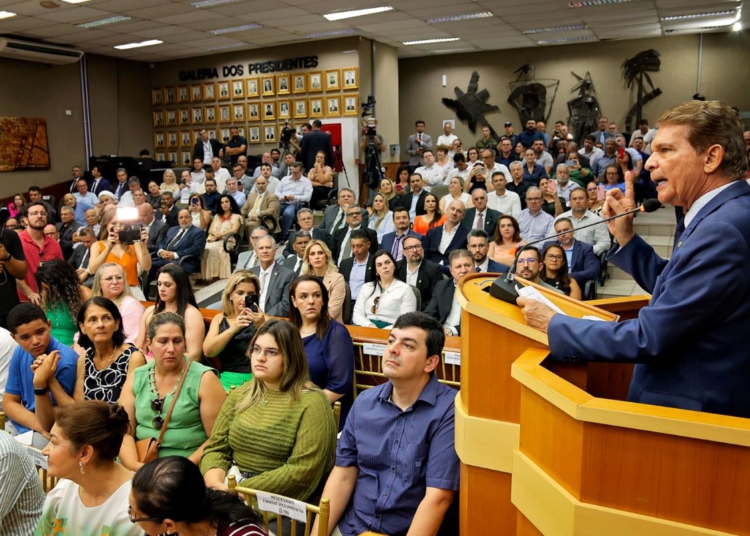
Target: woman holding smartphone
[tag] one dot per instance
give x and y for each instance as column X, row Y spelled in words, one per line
column 201, row 216
column 596, row 195
column 230, row 333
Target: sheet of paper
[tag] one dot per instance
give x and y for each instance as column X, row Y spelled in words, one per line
column 453, row 358
column 285, row 506
column 532, row 293
column 26, row 438
column 373, row 349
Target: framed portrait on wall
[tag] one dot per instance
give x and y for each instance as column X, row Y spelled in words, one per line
column 300, row 108
column 209, row 112
column 170, row 97
column 333, row 106
column 267, row 83
column 211, row 134
column 252, row 87
column 224, row 114
column 158, row 118
column 186, row 159
column 239, row 112
column 173, row 157
column 197, row 115
column 171, row 117
column 253, row 111
column 241, row 132
column 333, row 80
column 283, row 86
column 316, row 107
column 184, row 116
column 209, row 91
column 285, row 109
column 269, row 110
column 196, row 93
column 299, row 83
column 183, row 94
column 351, row 77
column 196, row 136
column 351, row 104
column 224, row 135
column 254, row 135
column 159, row 141
column 238, row 89
column 269, row 133
column 185, row 138
column 314, row 81
column 160, row 157
column 172, row 139
column 224, row 90
column 157, row 97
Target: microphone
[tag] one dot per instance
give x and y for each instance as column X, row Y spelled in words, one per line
column 504, row 288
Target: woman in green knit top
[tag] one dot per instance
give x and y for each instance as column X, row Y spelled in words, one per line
column 278, row 428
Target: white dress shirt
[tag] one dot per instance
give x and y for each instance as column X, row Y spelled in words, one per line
column 265, row 278
column 453, row 320
column 447, row 238
column 431, row 176
column 396, row 300
column 509, row 203
column 596, row 236
column 412, row 278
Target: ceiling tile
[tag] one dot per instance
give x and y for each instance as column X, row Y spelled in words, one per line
column 137, row 26
column 20, row 24
column 33, row 8
column 163, row 30
column 83, row 36
column 272, row 14
column 57, row 29
column 77, row 15
column 163, row 10
column 196, row 15
column 120, row 6
column 242, row 8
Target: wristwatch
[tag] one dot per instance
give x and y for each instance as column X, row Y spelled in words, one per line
column 41, row 392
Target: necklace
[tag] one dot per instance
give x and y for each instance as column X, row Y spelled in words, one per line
column 307, row 332
column 152, row 382
column 105, row 364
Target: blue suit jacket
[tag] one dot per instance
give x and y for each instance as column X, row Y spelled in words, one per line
column 193, row 243
column 388, row 238
column 585, row 265
column 103, row 186
column 496, row 267
column 689, row 342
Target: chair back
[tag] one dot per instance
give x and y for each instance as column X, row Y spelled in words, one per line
column 296, row 511
column 439, row 192
column 346, row 312
column 418, row 296
column 2, row 420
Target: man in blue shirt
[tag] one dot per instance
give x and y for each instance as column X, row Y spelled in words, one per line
column 396, row 467
column 530, row 135
column 30, row 328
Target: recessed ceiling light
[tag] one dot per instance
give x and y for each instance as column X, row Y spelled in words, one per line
column 6, row 14
column 578, row 39
column 348, row 31
column 234, row 29
column 737, row 27
column 591, row 3
column 458, row 18
column 149, row 43
column 225, row 47
column 75, row 1
column 431, row 41
column 212, row 3
column 340, row 15
column 555, row 29
column 700, row 15
column 104, row 22
column 451, row 50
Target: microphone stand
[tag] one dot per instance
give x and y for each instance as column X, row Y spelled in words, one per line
column 504, row 288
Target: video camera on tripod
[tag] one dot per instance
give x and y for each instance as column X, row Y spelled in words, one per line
column 373, row 170
column 286, row 137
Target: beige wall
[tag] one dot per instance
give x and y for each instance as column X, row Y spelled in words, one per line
column 387, row 97
column 726, row 59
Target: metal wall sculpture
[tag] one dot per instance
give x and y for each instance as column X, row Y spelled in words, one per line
column 529, row 97
column 584, row 109
column 472, row 105
column 23, row 144
column 635, row 71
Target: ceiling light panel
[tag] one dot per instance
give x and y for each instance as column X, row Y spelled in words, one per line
column 227, row 47
column 212, row 3
column 6, row 15
column 592, row 3
column 691, row 16
column 341, row 15
column 431, row 41
column 555, row 29
column 75, row 1
column 234, row 29
column 334, row 33
column 562, row 40
column 149, row 43
column 104, row 22
column 458, row 18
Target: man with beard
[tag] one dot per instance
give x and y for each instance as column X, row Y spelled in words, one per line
column 417, row 271
column 37, row 248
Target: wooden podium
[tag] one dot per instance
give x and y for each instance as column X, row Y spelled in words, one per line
column 554, row 449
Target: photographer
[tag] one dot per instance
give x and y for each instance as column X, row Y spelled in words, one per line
column 477, row 178
column 124, row 244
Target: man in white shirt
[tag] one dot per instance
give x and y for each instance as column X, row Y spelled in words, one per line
column 488, row 157
column 126, row 198
column 432, row 174
column 500, row 199
column 542, row 157
column 564, row 184
column 221, row 175
column 266, row 159
column 590, row 151
column 292, row 191
column 444, row 306
column 198, row 176
column 579, row 215
column 647, row 134
column 461, row 170
column 232, row 190
column 445, row 140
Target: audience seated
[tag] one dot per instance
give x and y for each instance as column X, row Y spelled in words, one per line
column 292, row 192
column 414, row 200
column 580, row 257
column 383, row 300
column 334, row 217
column 156, row 229
column 211, row 196
column 480, row 216
column 607, row 159
column 110, row 282
column 261, row 205
column 81, row 256
column 321, row 178
column 275, row 280
column 168, row 209
column 518, row 185
column 440, row 241
column 215, row 262
column 394, row 242
column 15, row 207
column 341, row 243
column 169, row 183
column 92, row 494
column 534, row 223
column 328, row 346
column 530, row 264
column 61, row 297
column 278, row 429
column 455, row 192
column 169, row 496
column 506, row 241
column 67, row 228
column 181, row 241
column 388, row 189
column 305, row 221
column 417, row 271
column 249, row 259
column 432, row 174
column 174, row 294
column 379, row 488
column 533, row 172
column 479, row 247
column 23, row 497
column 542, row 157
column 614, row 178
column 319, row 262
column 148, row 394
column 552, row 203
column 228, row 338
column 500, row 199
column 357, row 269
column 36, row 247
column 381, row 220
column 579, row 215
column 432, row 217
column 555, row 272
column 443, row 305
column 153, row 197
column 477, row 178
column 299, row 242
column 200, row 214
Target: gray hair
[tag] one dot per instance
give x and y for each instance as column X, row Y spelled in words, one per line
column 134, row 180
column 563, row 166
column 265, row 239
column 532, row 189
column 118, row 170
column 66, row 208
column 304, row 210
column 515, row 164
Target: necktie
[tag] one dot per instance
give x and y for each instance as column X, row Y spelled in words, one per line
column 480, row 221
column 678, row 232
column 477, row 269
column 338, row 222
column 347, row 248
column 93, row 186
column 176, row 239
column 296, row 265
column 397, row 252
column 84, row 258
column 263, row 289
column 256, row 204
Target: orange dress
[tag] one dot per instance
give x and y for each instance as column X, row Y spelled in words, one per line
column 420, row 226
column 128, row 261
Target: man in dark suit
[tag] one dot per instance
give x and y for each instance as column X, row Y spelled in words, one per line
column 305, row 221
column 314, row 141
column 582, row 263
column 157, row 230
column 77, row 174
column 334, row 217
column 478, row 244
column 294, row 262
column 414, row 200
column 67, row 228
column 275, row 280
column 341, row 245
column 168, row 210
column 206, row 148
column 481, row 217
column 357, row 269
column 82, row 255
column 689, row 341
column 444, row 306
column 181, row 241
column 417, row 271
column 98, row 183
column 394, row 242
column 437, row 246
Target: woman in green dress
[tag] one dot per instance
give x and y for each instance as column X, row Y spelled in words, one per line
column 62, row 296
column 148, row 394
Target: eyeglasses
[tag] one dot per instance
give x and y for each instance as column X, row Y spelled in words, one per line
column 352, row 214
column 36, row 213
column 526, row 261
column 413, row 248
column 268, row 352
column 51, row 233
column 553, row 257
column 374, row 309
column 533, row 199
column 134, row 519
column 157, row 405
column 591, row 189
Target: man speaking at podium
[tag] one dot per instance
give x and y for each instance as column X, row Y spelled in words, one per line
column 689, row 344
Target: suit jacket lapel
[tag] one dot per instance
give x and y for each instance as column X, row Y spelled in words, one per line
column 737, row 189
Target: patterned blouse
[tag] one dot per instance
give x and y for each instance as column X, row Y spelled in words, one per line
column 106, row 384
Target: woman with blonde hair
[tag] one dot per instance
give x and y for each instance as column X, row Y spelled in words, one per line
column 110, row 282
column 197, row 207
column 278, row 428
column 381, row 220
column 230, row 333
column 169, row 183
column 388, row 189
column 318, row 261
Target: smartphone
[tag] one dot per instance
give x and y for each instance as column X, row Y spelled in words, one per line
column 195, row 201
column 251, row 302
column 601, row 193
column 399, row 187
column 620, row 153
column 571, row 163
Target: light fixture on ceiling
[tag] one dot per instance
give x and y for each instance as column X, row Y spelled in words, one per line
column 234, row 29
column 226, row 47
column 737, row 27
column 7, row 14
column 452, row 50
column 569, row 27
column 592, row 3
column 341, row 15
column 104, row 22
column 459, row 18
column 349, row 31
column 75, row 1
column 212, row 3
column 691, row 16
column 148, row 43
column 431, row 41
column 562, row 40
